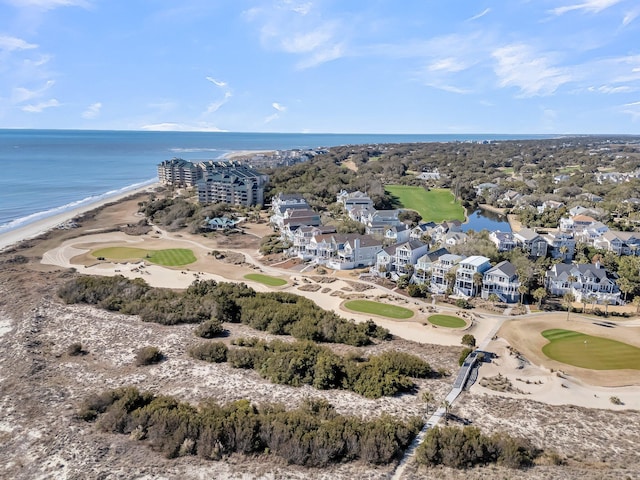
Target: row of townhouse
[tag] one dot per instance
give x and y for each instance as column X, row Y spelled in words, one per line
column 441, row 270
column 557, row 244
column 590, row 231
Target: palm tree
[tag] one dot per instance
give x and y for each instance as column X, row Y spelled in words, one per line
column 522, row 289
column 607, row 302
column 427, row 397
column 540, row 294
column 636, row 302
column 568, row 299
column 477, row 282
column 563, row 251
column 447, row 408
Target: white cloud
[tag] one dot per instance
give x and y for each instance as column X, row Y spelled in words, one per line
column 448, row 88
column 278, row 107
column 480, row 15
column 49, row 4
column 217, row 83
column 632, row 109
column 22, row 94
column 92, row 110
column 297, row 7
column 180, row 127
column 322, row 56
column 519, row 66
column 10, row 44
column 610, row 89
column 590, row 6
column 39, row 107
column 630, row 16
column 447, row 65
column 215, row 106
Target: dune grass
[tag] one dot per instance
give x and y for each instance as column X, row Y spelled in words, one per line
column 172, row 257
column 377, row 308
column 266, row 279
column 435, row 205
column 586, row 351
column 447, row 321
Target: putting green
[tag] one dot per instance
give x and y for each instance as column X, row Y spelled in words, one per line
column 377, row 308
column 172, row 257
column 266, row 279
column 448, row 321
column 586, row 351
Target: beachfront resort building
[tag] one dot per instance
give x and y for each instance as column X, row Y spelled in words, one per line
column 228, row 182
column 179, row 173
column 217, row 182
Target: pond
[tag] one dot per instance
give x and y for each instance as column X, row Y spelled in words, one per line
column 486, row 220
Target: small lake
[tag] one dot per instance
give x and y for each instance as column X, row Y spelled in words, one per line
column 486, row 220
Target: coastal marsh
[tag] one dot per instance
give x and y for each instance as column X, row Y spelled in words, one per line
column 435, row 205
column 171, row 257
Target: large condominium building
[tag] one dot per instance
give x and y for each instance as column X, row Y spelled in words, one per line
column 217, row 182
column 179, row 173
column 226, row 182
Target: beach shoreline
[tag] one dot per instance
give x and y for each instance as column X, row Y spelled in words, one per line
column 41, row 226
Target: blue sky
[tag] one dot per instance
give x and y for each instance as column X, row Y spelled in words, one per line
column 357, row 66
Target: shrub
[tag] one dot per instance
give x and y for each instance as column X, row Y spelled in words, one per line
column 463, row 303
column 209, row 329
column 148, row 356
column 468, row 340
column 214, row 352
column 463, row 355
column 75, row 349
column 615, row 400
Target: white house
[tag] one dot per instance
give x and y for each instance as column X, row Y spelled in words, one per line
column 356, row 251
column 425, row 263
column 468, row 268
column 587, row 282
column 504, row 241
column 502, row 281
column 561, row 245
column 440, row 272
column 397, row 234
column 531, row 242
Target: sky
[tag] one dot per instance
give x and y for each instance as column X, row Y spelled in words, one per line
column 322, row 66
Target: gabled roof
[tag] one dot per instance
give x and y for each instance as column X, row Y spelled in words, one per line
column 433, row 255
column 412, row 244
column 505, row 268
column 526, row 234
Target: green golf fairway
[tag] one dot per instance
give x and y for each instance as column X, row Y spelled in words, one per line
column 172, row 257
column 266, row 279
column 377, row 308
column 586, row 351
column 435, row 205
column 447, row 321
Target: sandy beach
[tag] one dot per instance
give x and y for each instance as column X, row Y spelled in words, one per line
column 39, row 227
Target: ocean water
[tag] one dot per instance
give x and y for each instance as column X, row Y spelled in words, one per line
column 46, row 172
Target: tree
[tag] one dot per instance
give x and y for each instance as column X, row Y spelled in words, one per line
column 522, row 289
column 427, row 397
column 636, row 303
column 568, row 299
column 540, row 294
column 563, row 251
column 447, row 409
column 468, row 340
column 477, row 282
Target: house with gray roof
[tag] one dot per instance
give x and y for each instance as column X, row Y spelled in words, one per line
column 587, row 282
column 502, row 281
column 531, row 242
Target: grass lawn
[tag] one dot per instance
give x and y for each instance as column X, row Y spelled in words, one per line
column 266, row 279
column 448, row 321
column 435, row 205
column 377, row 308
column 586, row 351
column 172, row 257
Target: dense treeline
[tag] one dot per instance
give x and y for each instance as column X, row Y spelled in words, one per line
column 467, row 447
column 212, row 302
column 307, row 363
column 311, row 435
